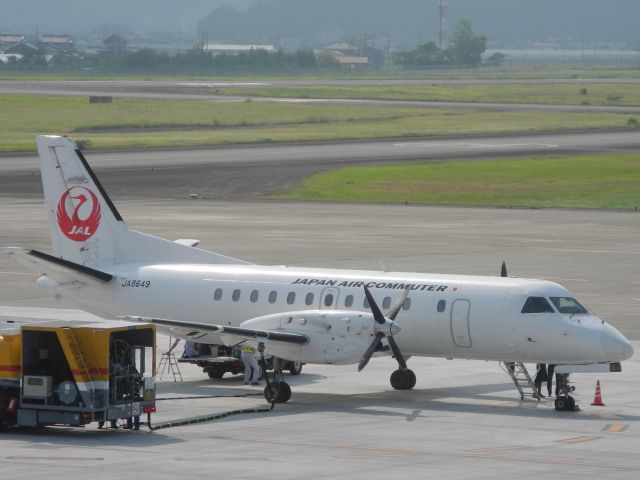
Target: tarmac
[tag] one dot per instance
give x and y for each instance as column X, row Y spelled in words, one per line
column 464, row 419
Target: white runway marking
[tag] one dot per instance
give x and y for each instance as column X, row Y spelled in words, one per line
column 473, row 145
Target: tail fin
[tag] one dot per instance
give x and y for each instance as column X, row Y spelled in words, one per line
column 85, row 226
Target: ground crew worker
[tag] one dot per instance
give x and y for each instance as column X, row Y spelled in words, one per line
column 250, row 364
column 541, row 377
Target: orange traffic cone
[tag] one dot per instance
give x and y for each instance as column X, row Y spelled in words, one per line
column 597, row 400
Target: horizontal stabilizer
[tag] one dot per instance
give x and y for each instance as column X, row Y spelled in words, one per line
column 198, row 331
column 56, row 268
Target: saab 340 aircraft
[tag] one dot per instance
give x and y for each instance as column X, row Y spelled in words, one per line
column 309, row 315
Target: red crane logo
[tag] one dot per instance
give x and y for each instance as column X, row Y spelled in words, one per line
column 78, row 213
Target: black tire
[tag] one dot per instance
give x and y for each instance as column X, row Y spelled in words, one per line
column 561, row 403
column 403, row 379
column 279, row 392
column 295, row 368
column 571, row 404
column 215, row 373
column 284, row 392
column 411, row 379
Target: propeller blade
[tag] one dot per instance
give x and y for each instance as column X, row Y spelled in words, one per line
column 377, row 314
column 397, row 353
column 395, row 308
column 369, row 353
column 503, row 270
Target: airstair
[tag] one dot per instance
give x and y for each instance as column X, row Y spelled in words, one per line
column 521, row 379
column 169, row 364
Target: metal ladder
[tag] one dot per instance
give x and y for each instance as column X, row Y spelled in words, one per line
column 169, row 364
column 80, row 361
column 521, row 379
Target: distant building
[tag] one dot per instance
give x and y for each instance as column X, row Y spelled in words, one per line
column 9, row 39
column 351, row 60
column 10, row 57
column 217, row 48
column 58, row 46
column 21, row 48
column 114, row 46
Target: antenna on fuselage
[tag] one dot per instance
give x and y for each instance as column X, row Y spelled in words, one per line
column 503, row 270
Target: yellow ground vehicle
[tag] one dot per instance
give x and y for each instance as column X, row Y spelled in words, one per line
column 63, row 373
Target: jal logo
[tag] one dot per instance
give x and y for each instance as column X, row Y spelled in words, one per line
column 78, row 213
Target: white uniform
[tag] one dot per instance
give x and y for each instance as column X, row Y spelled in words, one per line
column 250, row 362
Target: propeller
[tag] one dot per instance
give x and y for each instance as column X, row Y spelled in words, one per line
column 386, row 327
column 503, row 270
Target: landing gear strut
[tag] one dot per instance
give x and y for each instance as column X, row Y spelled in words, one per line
column 565, row 402
column 276, row 390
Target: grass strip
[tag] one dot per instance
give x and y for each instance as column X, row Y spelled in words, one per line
column 550, row 94
column 584, row 181
column 142, row 123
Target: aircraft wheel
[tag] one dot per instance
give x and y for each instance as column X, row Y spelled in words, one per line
column 403, row 379
column 279, row 392
column 565, row 404
column 296, row 368
column 411, row 379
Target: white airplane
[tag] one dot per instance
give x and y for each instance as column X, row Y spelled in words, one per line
column 308, row 315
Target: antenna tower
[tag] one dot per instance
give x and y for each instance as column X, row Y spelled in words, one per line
column 442, row 24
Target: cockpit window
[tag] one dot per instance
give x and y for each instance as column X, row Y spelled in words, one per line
column 537, row 305
column 568, row 305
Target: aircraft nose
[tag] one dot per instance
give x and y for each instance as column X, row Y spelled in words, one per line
column 615, row 345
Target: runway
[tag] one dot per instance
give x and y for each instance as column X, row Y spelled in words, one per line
column 246, row 171
column 198, row 90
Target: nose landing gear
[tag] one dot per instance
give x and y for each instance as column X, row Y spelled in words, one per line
column 565, row 402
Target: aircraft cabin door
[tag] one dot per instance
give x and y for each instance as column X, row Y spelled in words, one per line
column 329, row 298
column 460, row 331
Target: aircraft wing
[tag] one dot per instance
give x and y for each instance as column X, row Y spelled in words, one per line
column 206, row 333
column 59, row 269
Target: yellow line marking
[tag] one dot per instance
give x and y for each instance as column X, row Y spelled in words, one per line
column 469, row 455
column 616, row 427
column 73, row 459
column 582, row 438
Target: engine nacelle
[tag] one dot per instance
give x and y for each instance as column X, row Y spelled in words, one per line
column 335, row 336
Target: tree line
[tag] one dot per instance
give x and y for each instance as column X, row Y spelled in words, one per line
column 464, row 50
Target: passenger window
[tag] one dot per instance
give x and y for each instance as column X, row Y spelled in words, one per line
column 442, row 304
column 254, row 296
column 386, row 303
column 348, row 301
column 291, row 298
column 235, row 296
column 273, row 296
column 308, row 300
column 217, row 295
column 537, row 305
column 406, row 305
column 328, row 299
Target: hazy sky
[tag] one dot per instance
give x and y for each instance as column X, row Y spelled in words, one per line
column 71, row 16
column 409, row 21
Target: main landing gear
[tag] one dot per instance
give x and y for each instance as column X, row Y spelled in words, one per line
column 403, row 379
column 276, row 390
